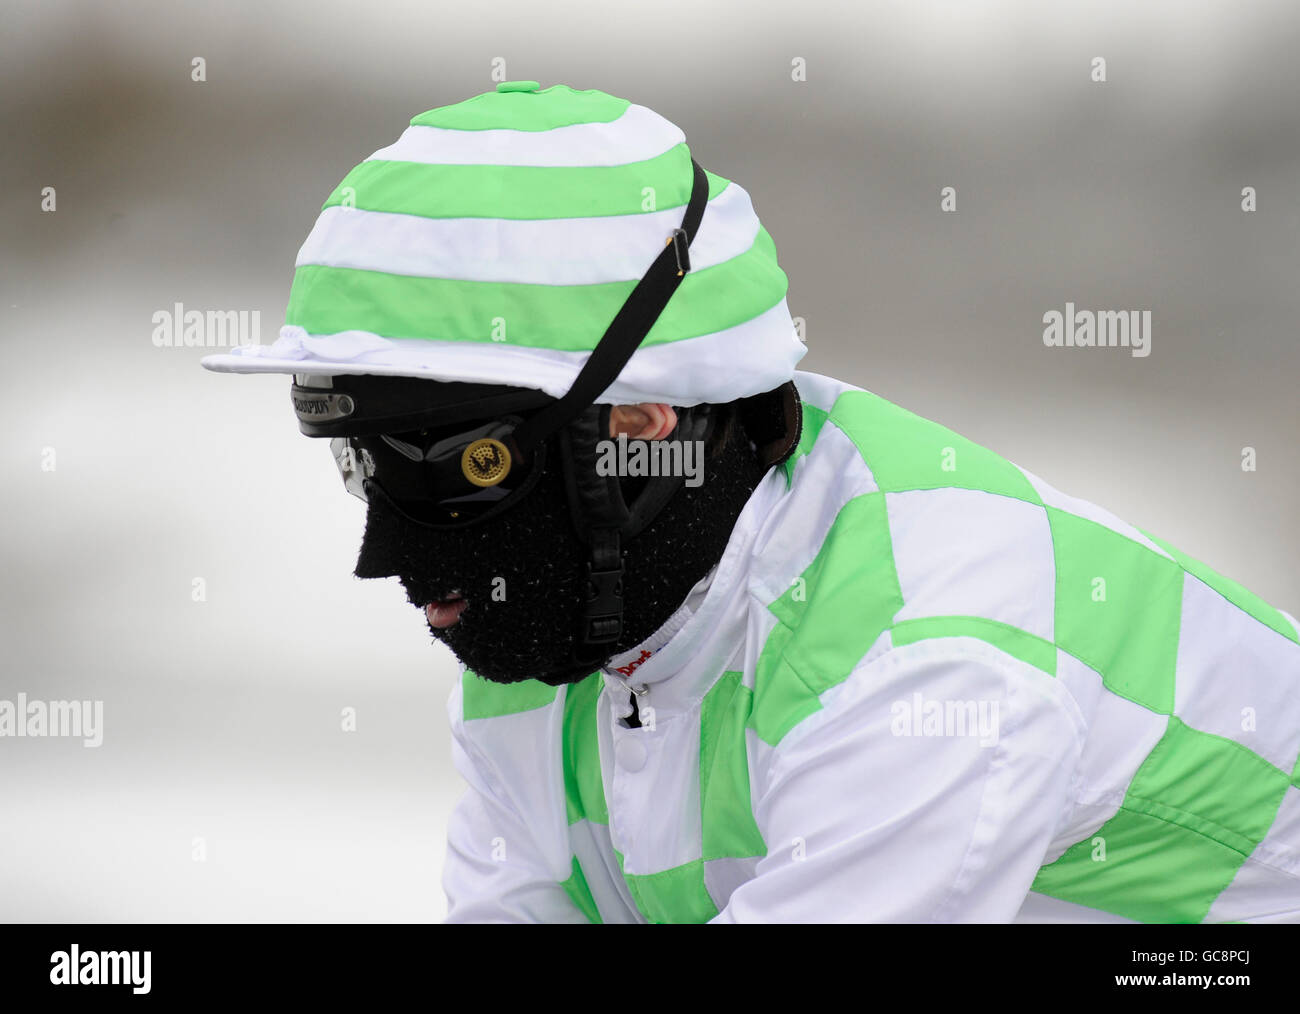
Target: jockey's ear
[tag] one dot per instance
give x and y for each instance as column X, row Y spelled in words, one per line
column 647, row 421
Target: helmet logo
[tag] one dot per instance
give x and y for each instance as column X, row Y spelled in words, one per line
column 315, row 406
column 485, row 461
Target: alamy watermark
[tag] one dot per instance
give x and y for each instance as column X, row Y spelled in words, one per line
column 74, row 719
column 921, row 716
column 1130, row 329
column 182, row 328
column 75, row 967
column 625, row 457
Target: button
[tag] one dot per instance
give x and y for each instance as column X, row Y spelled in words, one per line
column 630, row 754
column 518, row 86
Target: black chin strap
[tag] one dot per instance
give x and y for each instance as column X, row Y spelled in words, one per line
column 602, row 619
column 603, row 519
column 628, row 328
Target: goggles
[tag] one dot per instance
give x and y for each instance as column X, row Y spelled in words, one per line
column 441, row 454
column 442, row 476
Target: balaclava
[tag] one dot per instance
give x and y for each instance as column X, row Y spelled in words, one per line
column 521, row 572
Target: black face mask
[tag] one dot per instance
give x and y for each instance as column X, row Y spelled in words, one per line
column 522, row 572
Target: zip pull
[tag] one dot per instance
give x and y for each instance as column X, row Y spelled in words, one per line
column 643, row 691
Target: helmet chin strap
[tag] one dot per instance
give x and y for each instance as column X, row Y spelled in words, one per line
column 599, row 514
column 628, row 328
column 603, row 519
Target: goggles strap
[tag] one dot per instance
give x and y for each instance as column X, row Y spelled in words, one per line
column 629, row 326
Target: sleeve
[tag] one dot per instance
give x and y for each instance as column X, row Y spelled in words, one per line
column 926, row 789
column 506, row 862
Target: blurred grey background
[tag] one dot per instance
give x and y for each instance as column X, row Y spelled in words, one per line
column 222, row 717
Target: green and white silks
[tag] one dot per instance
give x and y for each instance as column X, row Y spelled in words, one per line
column 922, row 685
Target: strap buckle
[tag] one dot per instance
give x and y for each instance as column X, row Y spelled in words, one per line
column 681, row 250
column 604, row 608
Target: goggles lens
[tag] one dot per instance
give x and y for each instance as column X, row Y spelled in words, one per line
column 448, row 476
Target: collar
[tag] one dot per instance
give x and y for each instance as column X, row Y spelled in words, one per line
column 683, row 658
column 628, row 662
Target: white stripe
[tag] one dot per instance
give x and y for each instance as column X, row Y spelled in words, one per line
column 967, row 552
column 667, row 782
column 1232, row 667
column 1120, row 737
column 550, row 251
column 740, row 361
column 761, row 624
column 637, row 135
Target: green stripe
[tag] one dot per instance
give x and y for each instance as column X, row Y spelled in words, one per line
column 813, row 420
column 521, row 192
column 906, row 452
column 828, row 618
column 544, row 109
column 673, row 896
column 1196, row 808
column 727, row 818
column 327, row 300
column 481, row 698
column 584, row 788
column 1015, row 642
column 782, row 699
column 577, row 888
column 1240, row 597
column 1118, row 609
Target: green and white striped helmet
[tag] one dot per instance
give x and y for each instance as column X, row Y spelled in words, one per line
column 497, row 238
